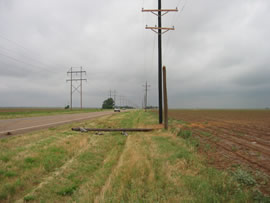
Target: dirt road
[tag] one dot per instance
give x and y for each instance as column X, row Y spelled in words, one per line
column 21, row 125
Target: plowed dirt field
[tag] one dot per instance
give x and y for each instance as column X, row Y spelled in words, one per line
column 232, row 137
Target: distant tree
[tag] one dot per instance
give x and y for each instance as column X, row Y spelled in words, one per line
column 108, row 104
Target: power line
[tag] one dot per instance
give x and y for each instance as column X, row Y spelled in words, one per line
column 26, row 63
column 25, row 49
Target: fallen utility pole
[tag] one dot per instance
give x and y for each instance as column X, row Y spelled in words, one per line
column 114, row 129
column 159, row 30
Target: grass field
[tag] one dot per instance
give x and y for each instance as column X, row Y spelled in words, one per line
column 9, row 113
column 60, row 165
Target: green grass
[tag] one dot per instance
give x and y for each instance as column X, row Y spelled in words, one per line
column 59, row 165
column 10, row 113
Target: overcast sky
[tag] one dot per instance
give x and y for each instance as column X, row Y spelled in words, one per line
column 217, row 57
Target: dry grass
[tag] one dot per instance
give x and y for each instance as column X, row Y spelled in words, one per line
column 59, row 165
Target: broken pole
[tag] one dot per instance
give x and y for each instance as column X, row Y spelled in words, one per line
column 165, row 98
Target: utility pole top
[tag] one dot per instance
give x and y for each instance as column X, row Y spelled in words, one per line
column 159, row 12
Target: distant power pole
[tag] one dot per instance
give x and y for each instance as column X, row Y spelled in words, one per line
column 159, row 30
column 145, row 95
column 76, row 88
column 121, row 100
column 112, row 94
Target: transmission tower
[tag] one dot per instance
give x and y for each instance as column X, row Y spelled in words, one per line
column 159, row 30
column 112, row 94
column 76, row 79
column 145, row 94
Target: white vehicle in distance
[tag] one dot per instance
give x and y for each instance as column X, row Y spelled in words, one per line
column 116, row 109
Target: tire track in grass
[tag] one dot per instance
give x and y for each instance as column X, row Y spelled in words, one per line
column 58, row 172
column 131, row 121
column 35, row 165
column 101, row 195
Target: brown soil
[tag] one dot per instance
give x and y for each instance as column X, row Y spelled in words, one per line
column 233, row 137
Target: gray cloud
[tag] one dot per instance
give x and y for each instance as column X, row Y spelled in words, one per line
column 217, row 56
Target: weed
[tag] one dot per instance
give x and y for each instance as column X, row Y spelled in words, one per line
column 259, row 197
column 10, row 174
column 67, row 190
column 29, row 198
column 261, row 178
column 4, row 158
column 29, row 160
column 184, row 134
column 243, row 177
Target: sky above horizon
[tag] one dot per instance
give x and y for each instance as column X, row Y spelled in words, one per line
column 217, row 57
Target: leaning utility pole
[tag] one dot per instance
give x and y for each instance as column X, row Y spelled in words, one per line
column 74, row 88
column 161, row 30
column 145, row 96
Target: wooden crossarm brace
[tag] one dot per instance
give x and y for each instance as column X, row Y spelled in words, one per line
column 159, row 10
column 166, row 29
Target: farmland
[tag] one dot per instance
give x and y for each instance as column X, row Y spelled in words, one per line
column 231, row 138
column 60, row 165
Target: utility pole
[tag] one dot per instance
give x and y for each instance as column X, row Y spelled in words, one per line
column 161, row 30
column 145, row 95
column 76, row 88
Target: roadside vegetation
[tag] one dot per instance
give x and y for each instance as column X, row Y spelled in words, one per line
column 60, row 165
column 9, row 113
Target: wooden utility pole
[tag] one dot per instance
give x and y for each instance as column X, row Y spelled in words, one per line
column 74, row 88
column 159, row 30
column 165, row 98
